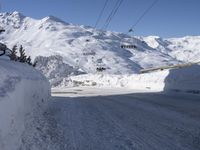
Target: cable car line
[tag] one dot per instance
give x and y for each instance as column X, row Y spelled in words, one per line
column 101, row 13
column 142, row 16
column 131, row 30
column 112, row 14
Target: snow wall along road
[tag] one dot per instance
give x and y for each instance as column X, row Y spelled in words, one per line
column 180, row 79
column 23, row 91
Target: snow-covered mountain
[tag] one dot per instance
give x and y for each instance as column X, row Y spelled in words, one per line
column 83, row 49
column 80, row 46
column 186, row 49
column 55, row 69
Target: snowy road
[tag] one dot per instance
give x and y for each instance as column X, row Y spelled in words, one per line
column 127, row 122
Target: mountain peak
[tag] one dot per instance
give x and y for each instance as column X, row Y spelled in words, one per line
column 54, row 19
column 17, row 15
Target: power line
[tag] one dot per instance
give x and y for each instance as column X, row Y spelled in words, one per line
column 112, row 14
column 101, row 13
column 142, row 16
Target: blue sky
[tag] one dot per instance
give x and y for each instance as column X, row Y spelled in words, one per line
column 168, row 18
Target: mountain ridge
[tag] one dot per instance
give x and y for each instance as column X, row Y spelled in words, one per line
column 86, row 48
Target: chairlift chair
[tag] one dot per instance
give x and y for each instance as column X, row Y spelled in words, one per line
column 123, row 45
column 100, row 69
column 130, row 30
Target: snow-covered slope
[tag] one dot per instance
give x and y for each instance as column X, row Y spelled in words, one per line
column 23, row 91
column 81, row 47
column 55, row 69
column 84, row 49
column 186, row 49
column 183, row 79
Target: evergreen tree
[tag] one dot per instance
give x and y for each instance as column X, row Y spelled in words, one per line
column 34, row 64
column 22, row 57
column 13, row 55
column 29, row 60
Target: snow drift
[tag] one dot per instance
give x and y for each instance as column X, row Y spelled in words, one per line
column 23, row 91
column 181, row 79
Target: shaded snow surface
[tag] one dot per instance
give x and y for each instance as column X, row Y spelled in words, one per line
column 150, row 121
column 23, row 95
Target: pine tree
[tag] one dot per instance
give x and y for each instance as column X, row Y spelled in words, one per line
column 22, row 57
column 13, row 55
column 29, row 60
column 34, row 64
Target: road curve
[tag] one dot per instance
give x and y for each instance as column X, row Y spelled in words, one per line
column 150, row 121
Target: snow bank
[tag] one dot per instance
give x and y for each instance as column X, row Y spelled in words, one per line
column 182, row 79
column 23, row 90
column 136, row 81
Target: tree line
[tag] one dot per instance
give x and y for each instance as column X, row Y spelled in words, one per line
column 13, row 54
column 23, row 58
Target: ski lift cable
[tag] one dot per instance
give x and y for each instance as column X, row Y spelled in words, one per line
column 96, row 23
column 142, row 16
column 101, row 13
column 112, row 14
column 100, row 16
